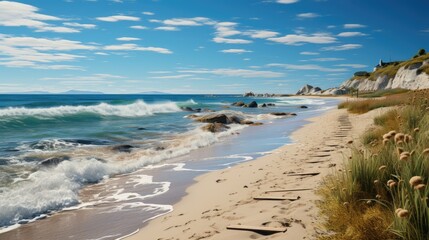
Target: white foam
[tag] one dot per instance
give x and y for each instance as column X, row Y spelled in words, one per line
column 136, row 109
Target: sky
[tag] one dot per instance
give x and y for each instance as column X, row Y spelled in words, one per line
column 201, row 46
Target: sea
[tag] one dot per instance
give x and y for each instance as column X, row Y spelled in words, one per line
column 101, row 166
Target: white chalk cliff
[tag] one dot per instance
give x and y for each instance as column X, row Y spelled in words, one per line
column 406, row 78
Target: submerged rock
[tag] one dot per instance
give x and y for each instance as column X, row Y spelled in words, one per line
column 303, row 106
column 238, row 104
column 123, row 148
column 54, row 160
column 283, row 114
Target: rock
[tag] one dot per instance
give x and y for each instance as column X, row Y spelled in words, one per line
column 249, row 94
column 54, row 160
column 141, row 128
column 208, row 110
column 234, row 119
column 303, row 106
column 238, row 104
column 189, row 109
column 270, row 104
column 283, row 114
column 247, row 122
column 123, row 148
column 253, row 104
column 192, row 116
column 214, row 118
column 215, row 127
column 264, row 105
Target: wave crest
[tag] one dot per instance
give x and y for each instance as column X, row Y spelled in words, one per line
column 136, row 109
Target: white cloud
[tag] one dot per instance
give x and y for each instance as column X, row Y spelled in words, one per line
column 196, row 21
column 226, row 29
column 179, row 76
column 327, row 59
column 45, row 44
column 354, row 25
column 425, row 30
column 101, row 53
column 230, row 40
column 128, row 39
column 294, row 39
column 307, row 15
column 134, row 47
column 351, row 34
column 166, row 28
column 244, row 73
column 342, row 47
column 352, row 65
column 80, row 25
column 287, row 1
column 306, row 67
column 148, row 13
column 14, row 14
column 309, row 53
column 138, row 27
column 234, row 50
column 261, row 34
column 117, row 18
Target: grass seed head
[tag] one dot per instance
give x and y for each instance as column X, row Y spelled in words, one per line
column 416, row 180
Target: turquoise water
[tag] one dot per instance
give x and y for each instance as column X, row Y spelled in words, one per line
column 52, row 146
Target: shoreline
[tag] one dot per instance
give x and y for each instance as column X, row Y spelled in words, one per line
column 225, row 197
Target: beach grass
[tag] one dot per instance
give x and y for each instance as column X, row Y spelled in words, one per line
column 382, row 191
column 363, row 106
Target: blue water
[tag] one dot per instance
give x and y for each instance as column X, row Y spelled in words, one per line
column 51, row 146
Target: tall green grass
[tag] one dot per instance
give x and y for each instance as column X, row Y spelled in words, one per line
column 372, row 198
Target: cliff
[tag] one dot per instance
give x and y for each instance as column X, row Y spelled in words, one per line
column 412, row 74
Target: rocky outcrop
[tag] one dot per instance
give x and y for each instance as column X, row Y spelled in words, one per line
column 308, row 90
column 410, row 77
column 238, row 104
column 249, row 94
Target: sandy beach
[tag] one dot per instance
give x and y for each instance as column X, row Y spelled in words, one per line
column 223, row 198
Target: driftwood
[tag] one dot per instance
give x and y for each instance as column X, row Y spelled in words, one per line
column 264, row 230
column 276, row 198
column 304, row 174
column 289, row 190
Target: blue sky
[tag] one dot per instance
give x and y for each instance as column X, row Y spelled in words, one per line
column 201, row 46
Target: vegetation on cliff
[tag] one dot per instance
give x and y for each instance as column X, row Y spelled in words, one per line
column 390, row 69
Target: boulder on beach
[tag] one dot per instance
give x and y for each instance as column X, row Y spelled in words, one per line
column 253, row 104
column 215, row 127
column 270, row 104
column 264, row 105
column 214, row 118
column 303, row 106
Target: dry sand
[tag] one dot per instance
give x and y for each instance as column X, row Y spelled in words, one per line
column 226, row 197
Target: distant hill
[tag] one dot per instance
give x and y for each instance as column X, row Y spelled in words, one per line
column 154, row 92
column 81, row 92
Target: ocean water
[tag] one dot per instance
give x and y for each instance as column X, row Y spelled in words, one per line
column 58, row 151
